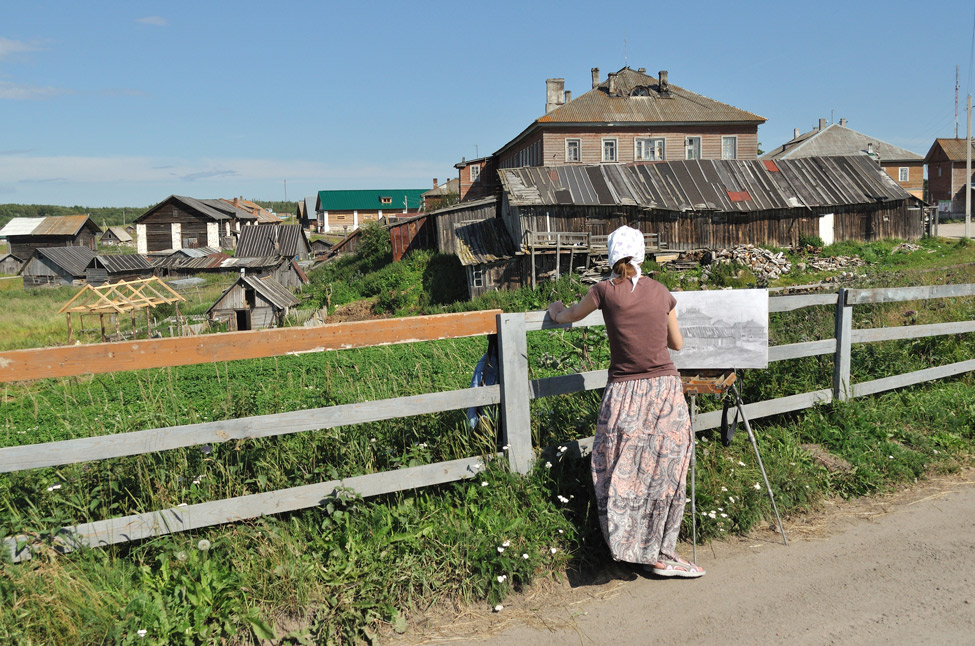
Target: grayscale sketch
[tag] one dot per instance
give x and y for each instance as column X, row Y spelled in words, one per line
column 722, row 329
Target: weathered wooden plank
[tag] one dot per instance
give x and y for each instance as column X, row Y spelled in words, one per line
column 910, row 378
column 844, row 338
column 896, row 294
column 712, row 419
column 535, row 321
column 207, row 514
column 797, row 350
column 799, row 301
column 565, row 384
column 911, row 331
column 515, row 411
column 40, row 363
column 20, row 458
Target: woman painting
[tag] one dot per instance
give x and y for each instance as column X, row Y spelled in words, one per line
column 644, row 439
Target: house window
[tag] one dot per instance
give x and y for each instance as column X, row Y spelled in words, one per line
column 477, row 277
column 475, row 173
column 647, row 149
column 386, row 200
column 609, row 150
column 939, row 171
column 573, row 150
column 729, row 147
column 692, row 147
column 903, row 174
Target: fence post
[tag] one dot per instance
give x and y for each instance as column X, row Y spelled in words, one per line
column 515, row 413
column 841, row 359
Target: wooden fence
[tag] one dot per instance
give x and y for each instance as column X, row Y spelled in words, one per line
column 513, row 394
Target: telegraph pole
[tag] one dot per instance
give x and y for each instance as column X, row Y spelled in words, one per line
column 968, row 172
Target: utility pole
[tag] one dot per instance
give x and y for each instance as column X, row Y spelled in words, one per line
column 968, row 172
column 285, row 190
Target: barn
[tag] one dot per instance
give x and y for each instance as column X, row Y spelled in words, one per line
column 10, row 264
column 25, row 235
column 54, row 266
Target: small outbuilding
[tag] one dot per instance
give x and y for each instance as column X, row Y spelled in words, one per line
column 117, row 236
column 10, row 264
column 55, row 266
column 252, row 303
column 24, row 235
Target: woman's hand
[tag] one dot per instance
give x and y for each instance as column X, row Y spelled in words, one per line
column 554, row 309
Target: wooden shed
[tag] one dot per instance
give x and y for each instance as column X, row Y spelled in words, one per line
column 25, row 235
column 111, row 268
column 252, row 303
column 54, row 266
column 287, row 240
column 10, row 264
column 704, row 204
column 116, row 236
column 488, row 256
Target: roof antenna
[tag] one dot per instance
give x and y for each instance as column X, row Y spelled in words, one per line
column 625, row 61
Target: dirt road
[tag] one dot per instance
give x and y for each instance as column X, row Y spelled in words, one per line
column 897, row 569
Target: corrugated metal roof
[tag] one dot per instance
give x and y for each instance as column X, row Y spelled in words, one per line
column 953, row 148
column 268, row 287
column 20, row 227
column 60, row 225
column 191, row 203
column 74, row 260
column 267, row 240
column 118, row 263
column 840, row 140
column 482, row 241
column 679, row 105
column 707, row 185
column 370, row 200
column 229, row 209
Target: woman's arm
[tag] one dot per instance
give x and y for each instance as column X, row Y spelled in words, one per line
column 674, row 339
column 559, row 313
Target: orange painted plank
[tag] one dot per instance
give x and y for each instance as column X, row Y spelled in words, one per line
column 41, row 363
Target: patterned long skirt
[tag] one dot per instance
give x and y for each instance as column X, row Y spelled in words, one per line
column 640, row 457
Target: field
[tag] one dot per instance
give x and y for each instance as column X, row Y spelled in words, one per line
column 353, row 569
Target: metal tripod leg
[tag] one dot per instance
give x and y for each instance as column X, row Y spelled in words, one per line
column 693, row 479
column 751, row 437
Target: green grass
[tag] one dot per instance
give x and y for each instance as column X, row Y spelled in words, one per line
column 351, row 569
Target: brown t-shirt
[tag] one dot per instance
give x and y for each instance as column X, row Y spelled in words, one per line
column 636, row 322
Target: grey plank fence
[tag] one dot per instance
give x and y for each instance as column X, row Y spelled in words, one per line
column 514, row 395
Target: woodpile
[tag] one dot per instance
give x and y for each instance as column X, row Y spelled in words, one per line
column 766, row 265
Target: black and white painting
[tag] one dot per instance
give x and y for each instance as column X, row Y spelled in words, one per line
column 722, row 329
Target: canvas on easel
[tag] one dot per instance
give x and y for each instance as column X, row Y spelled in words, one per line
column 722, row 329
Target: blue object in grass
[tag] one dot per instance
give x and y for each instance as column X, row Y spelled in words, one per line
column 485, row 374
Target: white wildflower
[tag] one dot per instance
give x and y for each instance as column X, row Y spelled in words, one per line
column 552, row 550
column 502, row 578
column 548, row 465
column 524, row 556
column 142, row 632
column 891, row 457
column 712, row 514
column 724, row 488
column 740, row 463
column 181, row 556
column 757, row 486
column 498, row 608
column 563, row 499
column 724, row 515
column 203, row 545
column 500, row 550
column 505, row 447
column 561, row 532
column 506, row 544
column 54, row 487
column 731, row 498
column 484, row 483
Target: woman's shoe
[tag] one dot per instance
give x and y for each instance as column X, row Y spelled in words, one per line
column 676, row 568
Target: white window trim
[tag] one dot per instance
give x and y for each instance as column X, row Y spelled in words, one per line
column 733, row 138
column 579, row 149
column 616, row 150
column 700, row 146
column 663, row 147
column 903, row 174
column 475, row 173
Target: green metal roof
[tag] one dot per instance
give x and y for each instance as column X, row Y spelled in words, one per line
column 370, row 199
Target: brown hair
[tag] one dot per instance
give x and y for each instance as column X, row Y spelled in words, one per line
column 623, row 270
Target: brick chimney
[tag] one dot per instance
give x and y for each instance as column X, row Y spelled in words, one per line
column 843, row 121
column 822, row 125
column 554, row 94
column 595, row 77
column 795, row 133
column 435, row 182
column 611, row 77
column 235, row 202
column 568, row 95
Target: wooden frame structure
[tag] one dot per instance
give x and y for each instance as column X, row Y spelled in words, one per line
column 126, row 296
column 514, row 394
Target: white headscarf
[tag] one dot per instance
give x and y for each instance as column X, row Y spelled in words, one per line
column 627, row 242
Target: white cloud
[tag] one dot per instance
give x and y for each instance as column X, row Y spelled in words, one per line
column 9, row 47
column 21, row 92
column 157, row 21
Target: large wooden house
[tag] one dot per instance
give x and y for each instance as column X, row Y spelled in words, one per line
column 905, row 167
column 25, row 235
column 946, row 160
column 629, row 117
column 181, row 222
column 342, row 211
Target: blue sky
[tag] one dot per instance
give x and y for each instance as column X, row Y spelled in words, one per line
column 124, row 103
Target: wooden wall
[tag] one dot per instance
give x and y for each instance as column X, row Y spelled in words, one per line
column 263, row 314
column 24, row 246
column 41, row 272
column 447, row 218
column 159, row 234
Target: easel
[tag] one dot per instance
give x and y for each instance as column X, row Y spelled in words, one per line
column 719, row 383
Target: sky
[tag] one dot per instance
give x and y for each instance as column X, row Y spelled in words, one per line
column 125, row 103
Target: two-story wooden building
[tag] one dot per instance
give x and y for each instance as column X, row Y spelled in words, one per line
column 343, row 211
column 629, row 117
column 905, row 167
column 946, row 160
column 25, row 235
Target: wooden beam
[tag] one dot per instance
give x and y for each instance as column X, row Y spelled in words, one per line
column 41, row 363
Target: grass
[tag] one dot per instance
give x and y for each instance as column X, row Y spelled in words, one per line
column 350, row 569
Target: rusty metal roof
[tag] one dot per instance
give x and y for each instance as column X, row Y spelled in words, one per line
column 482, row 241
column 60, row 225
column 707, row 185
column 655, row 106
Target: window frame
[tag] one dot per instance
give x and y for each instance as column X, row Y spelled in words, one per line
column 663, row 148
column 475, row 173
column 734, row 140
column 578, row 142
column 385, row 200
column 699, row 148
column 616, row 150
column 903, row 174
column 477, row 276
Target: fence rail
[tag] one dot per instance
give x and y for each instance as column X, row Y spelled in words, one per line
column 513, row 394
